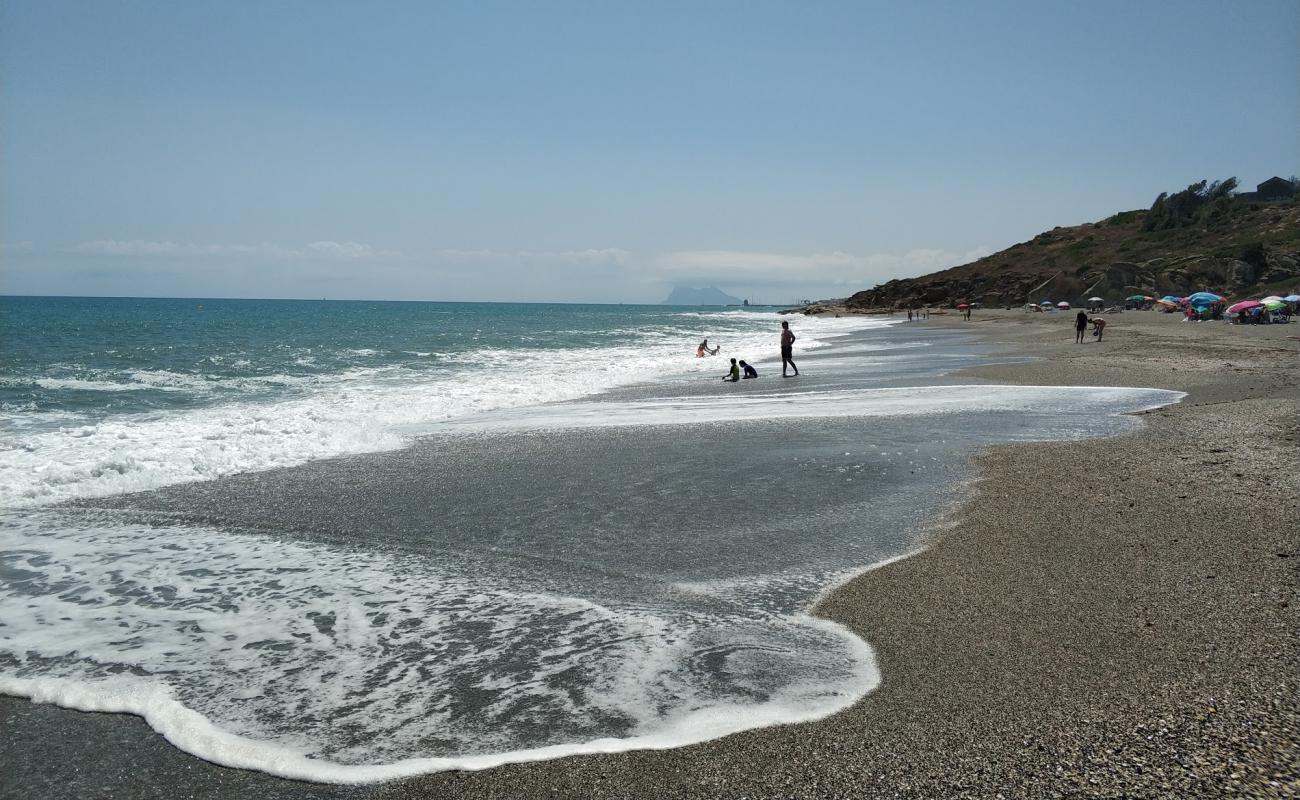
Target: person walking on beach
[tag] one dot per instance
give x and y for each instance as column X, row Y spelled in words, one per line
column 733, row 374
column 1080, row 327
column 787, row 349
column 750, row 372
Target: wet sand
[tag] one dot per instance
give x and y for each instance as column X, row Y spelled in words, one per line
column 1101, row 618
column 1107, row 618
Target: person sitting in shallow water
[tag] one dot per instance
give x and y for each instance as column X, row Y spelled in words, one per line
column 704, row 348
column 750, row 372
column 734, row 373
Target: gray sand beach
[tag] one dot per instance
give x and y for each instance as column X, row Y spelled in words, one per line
column 1104, row 618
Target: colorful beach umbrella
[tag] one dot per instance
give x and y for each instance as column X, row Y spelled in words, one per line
column 1269, row 299
column 1203, row 298
column 1244, row 305
column 1172, row 298
column 1135, row 298
column 963, row 305
column 1274, row 305
column 1292, row 298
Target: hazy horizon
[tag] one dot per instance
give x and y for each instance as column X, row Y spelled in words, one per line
column 583, row 153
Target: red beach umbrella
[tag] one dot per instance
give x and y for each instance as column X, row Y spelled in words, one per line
column 1244, row 305
column 963, row 305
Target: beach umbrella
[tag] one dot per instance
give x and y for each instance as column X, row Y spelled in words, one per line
column 1096, row 299
column 1172, row 298
column 963, row 305
column 1292, row 298
column 1045, row 303
column 1271, row 298
column 1244, row 305
column 1274, row 305
column 1062, row 304
column 1136, row 298
column 1203, row 298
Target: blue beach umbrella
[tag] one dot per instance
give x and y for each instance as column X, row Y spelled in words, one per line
column 1292, row 298
column 1172, row 298
column 1203, row 298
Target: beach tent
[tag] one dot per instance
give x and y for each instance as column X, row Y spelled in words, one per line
column 1244, row 305
column 1063, row 305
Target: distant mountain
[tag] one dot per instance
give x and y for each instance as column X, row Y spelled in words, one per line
column 706, row 296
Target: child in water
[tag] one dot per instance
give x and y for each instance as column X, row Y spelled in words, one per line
column 734, row 373
column 704, row 348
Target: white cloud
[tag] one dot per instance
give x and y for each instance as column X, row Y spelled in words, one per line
column 607, row 255
column 837, row 267
column 350, row 268
column 341, row 251
column 17, row 247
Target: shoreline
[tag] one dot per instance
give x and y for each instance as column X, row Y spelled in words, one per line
column 1116, row 649
column 973, row 634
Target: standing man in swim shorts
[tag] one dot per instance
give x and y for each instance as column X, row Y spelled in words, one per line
column 787, row 348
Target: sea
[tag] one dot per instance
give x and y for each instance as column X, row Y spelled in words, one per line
column 348, row 542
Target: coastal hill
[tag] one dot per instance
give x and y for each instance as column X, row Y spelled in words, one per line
column 1205, row 237
column 706, row 296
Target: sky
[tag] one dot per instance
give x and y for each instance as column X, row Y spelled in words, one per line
column 605, row 152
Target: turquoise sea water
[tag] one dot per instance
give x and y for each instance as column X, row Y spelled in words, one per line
column 65, row 354
column 138, row 393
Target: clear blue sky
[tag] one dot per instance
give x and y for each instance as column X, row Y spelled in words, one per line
column 605, row 151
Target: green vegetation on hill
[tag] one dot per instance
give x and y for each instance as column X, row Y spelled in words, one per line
column 1201, row 238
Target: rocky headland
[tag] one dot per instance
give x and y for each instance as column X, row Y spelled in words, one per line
column 1202, row 238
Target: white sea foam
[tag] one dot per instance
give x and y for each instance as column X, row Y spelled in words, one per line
column 311, row 663
column 1077, row 405
column 361, row 410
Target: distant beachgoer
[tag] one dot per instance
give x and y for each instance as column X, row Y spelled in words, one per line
column 1080, row 326
column 1098, row 327
column 704, row 348
column 750, row 372
column 733, row 374
column 787, row 348
column 909, row 315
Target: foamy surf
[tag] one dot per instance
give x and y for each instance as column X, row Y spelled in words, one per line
column 55, row 456
column 1078, row 407
column 309, row 663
